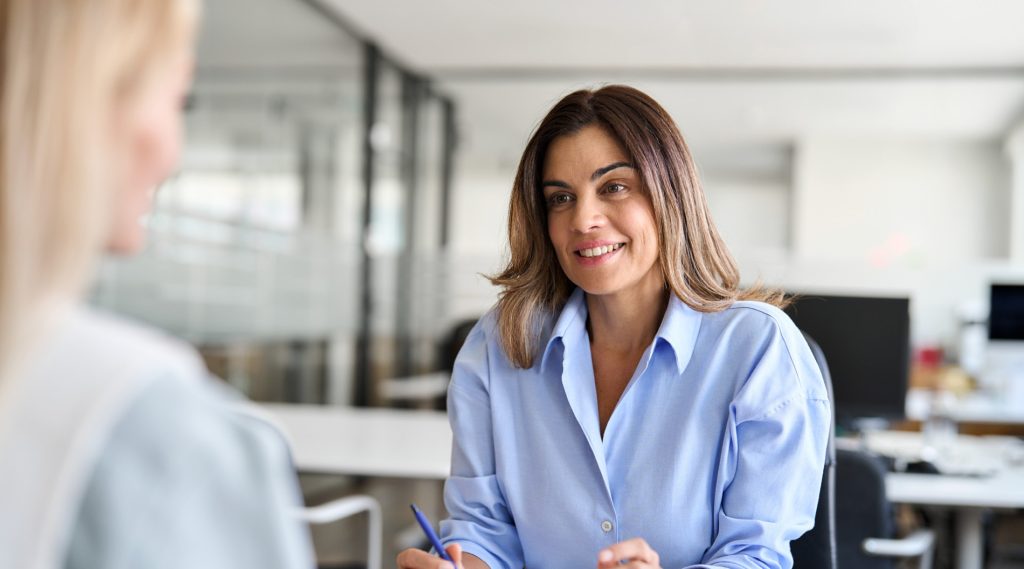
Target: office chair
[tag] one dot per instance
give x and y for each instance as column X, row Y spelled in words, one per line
column 865, row 520
column 333, row 510
column 816, row 549
column 336, row 510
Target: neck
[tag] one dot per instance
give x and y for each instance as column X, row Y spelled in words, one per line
column 627, row 322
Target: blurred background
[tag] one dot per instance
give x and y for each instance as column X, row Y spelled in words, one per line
column 349, row 163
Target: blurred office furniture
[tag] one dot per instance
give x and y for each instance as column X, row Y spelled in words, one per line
column 816, row 549
column 867, row 343
column 973, row 413
column 428, row 389
column 453, row 343
column 337, row 510
column 399, row 443
column 976, row 474
column 865, row 520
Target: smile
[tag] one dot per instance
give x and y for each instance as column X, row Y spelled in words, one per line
column 598, row 251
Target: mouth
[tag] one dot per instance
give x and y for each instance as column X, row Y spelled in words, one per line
column 594, row 252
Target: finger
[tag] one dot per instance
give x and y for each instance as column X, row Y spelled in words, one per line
column 455, row 552
column 419, row 559
column 630, row 550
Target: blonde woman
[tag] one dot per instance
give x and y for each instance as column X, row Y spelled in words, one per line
column 115, row 448
column 626, row 402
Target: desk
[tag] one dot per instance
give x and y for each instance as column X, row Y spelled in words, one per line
column 971, row 408
column 366, row 442
column 968, row 496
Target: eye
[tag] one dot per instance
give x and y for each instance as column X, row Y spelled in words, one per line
column 559, row 198
column 615, row 188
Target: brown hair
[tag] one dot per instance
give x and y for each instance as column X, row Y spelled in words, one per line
column 697, row 266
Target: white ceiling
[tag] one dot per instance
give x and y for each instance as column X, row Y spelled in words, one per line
column 739, row 74
column 443, row 34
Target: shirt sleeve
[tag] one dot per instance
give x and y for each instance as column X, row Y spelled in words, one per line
column 774, row 459
column 185, row 482
column 479, row 516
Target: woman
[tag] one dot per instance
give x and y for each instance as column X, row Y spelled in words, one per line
column 626, row 401
column 115, row 448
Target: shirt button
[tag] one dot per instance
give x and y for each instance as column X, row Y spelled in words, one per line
column 606, row 526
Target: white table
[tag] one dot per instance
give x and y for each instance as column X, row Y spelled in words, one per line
column 967, row 496
column 971, row 408
column 366, row 442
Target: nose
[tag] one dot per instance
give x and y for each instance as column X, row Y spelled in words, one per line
column 588, row 214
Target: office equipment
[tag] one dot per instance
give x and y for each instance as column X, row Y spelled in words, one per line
column 867, row 343
column 1003, row 371
column 1006, row 312
column 429, row 531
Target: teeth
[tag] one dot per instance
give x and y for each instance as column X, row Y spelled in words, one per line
column 598, row 251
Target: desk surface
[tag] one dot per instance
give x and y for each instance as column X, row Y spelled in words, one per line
column 1001, row 459
column 366, row 442
column 971, row 408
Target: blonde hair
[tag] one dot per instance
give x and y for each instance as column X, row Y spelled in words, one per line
column 697, row 265
column 66, row 67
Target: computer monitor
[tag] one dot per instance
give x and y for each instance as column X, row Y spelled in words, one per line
column 1006, row 312
column 866, row 341
column 1003, row 372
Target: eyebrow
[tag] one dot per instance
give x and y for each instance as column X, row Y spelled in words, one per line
column 593, row 177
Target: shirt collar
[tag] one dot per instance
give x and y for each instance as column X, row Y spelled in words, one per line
column 571, row 322
column 678, row 328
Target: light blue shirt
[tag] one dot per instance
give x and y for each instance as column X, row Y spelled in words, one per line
column 713, row 455
column 185, row 481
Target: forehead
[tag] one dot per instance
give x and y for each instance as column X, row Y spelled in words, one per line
column 582, row 152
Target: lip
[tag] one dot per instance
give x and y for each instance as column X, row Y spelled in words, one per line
column 600, row 259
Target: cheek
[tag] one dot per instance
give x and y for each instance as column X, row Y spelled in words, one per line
column 154, row 152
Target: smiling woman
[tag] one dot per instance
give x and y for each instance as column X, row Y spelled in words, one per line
column 626, row 401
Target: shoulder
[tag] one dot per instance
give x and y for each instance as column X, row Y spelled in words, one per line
column 750, row 323
column 212, row 468
column 94, row 334
column 197, row 423
column 762, row 338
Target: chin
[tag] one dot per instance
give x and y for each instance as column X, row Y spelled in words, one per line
column 126, row 245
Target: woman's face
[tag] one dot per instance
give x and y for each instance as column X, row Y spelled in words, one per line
column 600, row 219
column 149, row 130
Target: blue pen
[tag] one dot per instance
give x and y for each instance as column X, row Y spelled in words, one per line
column 429, row 530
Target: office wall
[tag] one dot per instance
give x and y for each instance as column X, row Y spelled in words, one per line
column 928, row 218
column 916, row 202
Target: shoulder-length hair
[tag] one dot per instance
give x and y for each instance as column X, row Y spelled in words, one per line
column 694, row 260
column 67, row 67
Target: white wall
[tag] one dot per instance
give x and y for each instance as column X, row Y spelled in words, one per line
column 919, row 201
column 926, row 218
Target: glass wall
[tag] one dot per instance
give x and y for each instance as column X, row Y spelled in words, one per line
column 286, row 248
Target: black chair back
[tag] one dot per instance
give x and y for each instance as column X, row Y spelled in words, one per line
column 862, row 508
column 816, row 549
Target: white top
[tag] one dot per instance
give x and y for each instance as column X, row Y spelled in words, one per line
column 112, row 440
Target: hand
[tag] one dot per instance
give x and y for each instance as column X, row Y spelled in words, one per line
column 633, row 553
column 419, row 559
